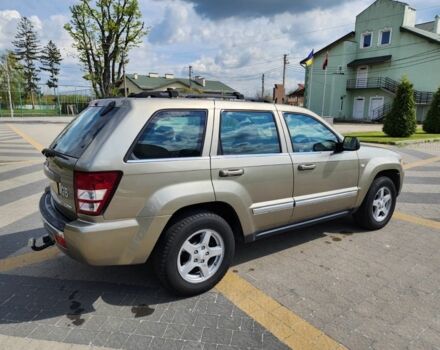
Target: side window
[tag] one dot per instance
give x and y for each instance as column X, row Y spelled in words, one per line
column 308, row 134
column 172, row 134
column 366, row 40
column 248, row 132
column 385, row 37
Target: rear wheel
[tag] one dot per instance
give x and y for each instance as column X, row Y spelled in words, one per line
column 378, row 205
column 194, row 253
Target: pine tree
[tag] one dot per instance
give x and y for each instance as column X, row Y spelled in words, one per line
column 432, row 121
column 401, row 120
column 50, row 59
column 27, row 51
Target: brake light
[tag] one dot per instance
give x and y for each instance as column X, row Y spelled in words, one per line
column 93, row 191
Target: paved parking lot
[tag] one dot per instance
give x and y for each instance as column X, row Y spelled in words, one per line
column 331, row 286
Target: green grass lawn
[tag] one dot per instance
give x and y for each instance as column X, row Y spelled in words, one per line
column 380, row 137
column 29, row 112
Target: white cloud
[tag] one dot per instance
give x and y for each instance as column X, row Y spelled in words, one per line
column 8, row 24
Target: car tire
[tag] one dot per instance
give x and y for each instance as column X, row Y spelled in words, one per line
column 378, row 205
column 201, row 239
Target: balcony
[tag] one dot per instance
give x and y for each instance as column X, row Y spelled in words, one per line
column 389, row 85
column 373, row 83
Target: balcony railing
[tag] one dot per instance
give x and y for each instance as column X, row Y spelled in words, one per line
column 388, row 84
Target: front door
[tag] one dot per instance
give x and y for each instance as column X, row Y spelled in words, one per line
column 325, row 182
column 250, row 166
column 358, row 108
column 362, row 77
column 376, row 103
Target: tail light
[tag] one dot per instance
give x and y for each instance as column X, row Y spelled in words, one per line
column 93, row 191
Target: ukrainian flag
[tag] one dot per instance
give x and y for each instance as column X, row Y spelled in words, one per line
column 309, row 59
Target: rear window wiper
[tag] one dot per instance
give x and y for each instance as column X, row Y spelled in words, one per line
column 47, row 152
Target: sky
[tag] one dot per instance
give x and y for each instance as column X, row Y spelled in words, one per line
column 234, row 41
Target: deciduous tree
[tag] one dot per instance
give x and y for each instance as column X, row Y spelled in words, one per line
column 103, row 33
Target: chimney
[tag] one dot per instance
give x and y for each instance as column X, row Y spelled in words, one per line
column 169, row 76
column 200, row 80
column 153, row 75
column 135, row 76
column 437, row 25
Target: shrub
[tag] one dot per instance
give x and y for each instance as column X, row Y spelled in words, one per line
column 401, row 120
column 432, row 122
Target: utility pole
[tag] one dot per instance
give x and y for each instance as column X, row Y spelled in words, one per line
column 9, row 88
column 285, row 63
column 190, row 68
column 123, row 72
column 262, row 86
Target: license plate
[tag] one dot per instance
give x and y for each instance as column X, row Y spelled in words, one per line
column 63, row 191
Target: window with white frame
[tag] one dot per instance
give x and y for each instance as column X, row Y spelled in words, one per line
column 385, row 37
column 366, row 40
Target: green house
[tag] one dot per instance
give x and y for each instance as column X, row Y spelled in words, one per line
column 365, row 65
column 136, row 83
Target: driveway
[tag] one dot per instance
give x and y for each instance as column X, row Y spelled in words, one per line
column 331, row 286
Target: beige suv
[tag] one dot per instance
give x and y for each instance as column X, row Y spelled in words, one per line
column 182, row 179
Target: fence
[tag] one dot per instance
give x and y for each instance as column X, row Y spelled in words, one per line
column 64, row 101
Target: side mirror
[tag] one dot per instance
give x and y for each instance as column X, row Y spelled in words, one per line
column 350, row 143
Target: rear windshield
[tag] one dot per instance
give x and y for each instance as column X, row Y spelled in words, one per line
column 78, row 135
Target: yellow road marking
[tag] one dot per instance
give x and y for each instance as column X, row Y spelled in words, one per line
column 416, row 220
column 30, row 258
column 27, row 138
column 421, row 163
column 284, row 324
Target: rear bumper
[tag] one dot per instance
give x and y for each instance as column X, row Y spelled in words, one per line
column 102, row 243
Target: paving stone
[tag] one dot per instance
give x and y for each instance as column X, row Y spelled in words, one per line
column 191, row 345
column 221, row 309
column 192, row 333
column 137, row 342
column 247, row 339
column 184, row 317
column 272, row 343
column 129, row 325
column 151, row 328
column 174, row 331
column 217, row 336
column 111, row 324
column 116, row 340
column 232, row 323
column 101, row 338
column 166, row 344
column 209, row 321
column 80, row 336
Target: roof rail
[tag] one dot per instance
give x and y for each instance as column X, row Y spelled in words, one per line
column 172, row 93
column 227, row 95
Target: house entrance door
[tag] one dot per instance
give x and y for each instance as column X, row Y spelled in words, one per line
column 358, row 108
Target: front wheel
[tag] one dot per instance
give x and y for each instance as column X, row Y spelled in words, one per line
column 194, row 253
column 378, row 205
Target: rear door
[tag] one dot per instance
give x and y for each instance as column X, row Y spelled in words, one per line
column 325, row 182
column 71, row 143
column 250, row 166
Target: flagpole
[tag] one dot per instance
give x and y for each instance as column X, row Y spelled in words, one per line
column 310, row 87
column 323, row 95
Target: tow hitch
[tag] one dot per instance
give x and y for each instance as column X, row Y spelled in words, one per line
column 43, row 243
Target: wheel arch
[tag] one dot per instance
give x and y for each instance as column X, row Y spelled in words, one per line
column 222, row 209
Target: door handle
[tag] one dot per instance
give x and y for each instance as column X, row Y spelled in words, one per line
column 231, row 172
column 306, row 166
